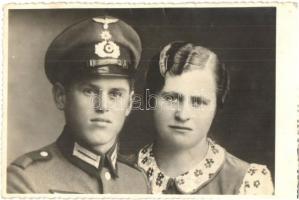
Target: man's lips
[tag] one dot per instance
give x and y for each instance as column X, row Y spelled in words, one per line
column 180, row 127
column 100, row 120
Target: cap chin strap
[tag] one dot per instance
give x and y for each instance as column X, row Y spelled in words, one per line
column 108, row 61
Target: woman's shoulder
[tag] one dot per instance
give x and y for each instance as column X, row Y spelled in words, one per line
column 253, row 179
column 235, row 164
column 257, row 181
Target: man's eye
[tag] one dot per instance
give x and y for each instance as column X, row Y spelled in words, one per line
column 115, row 94
column 89, row 91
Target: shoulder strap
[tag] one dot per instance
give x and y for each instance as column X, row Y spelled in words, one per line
column 27, row 159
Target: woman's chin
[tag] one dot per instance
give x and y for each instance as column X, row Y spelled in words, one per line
column 183, row 142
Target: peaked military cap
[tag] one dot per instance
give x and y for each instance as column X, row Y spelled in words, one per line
column 100, row 46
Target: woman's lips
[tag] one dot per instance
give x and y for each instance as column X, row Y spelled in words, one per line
column 180, row 128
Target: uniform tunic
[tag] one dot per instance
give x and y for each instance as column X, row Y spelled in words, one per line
column 218, row 173
column 67, row 167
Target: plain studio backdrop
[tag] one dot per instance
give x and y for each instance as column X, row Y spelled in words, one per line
column 244, row 39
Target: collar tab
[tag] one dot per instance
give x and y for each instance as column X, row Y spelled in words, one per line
column 86, row 155
column 95, row 160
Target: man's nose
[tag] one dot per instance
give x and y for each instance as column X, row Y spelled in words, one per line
column 182, row 114
column 101, row 103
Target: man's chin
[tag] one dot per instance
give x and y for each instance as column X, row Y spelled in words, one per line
column 100, row 141
column 96, row 141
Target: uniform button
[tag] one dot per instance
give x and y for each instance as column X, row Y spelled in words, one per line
column 108, row 176
column 44, row 153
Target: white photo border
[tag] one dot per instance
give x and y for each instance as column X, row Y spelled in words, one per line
column 286, row 163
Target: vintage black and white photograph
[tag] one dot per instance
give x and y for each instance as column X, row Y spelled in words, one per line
column 141, row 101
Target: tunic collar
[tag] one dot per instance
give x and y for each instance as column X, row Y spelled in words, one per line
column 188, row 182
column 84, row 158
column 96, row 160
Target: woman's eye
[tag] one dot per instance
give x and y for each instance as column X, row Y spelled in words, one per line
column 197, row 102
column 170, row 98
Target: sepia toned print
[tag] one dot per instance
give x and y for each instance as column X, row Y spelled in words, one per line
column 193, row 85
column 146, row 100
column 90, row 65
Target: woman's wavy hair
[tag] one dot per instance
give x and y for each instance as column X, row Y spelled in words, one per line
column 179, row 57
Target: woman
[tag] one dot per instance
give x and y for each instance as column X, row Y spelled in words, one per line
column 190, row 84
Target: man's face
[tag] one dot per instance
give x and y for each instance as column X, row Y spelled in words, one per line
column 185, row 108
column 95, row 109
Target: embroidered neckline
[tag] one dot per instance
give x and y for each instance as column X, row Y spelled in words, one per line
column 188, row 182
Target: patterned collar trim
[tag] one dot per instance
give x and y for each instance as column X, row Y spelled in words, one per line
column 188, row 182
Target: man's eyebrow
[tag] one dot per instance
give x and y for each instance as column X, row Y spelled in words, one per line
column 86, row 84
column 94, row 86
column 118, row 89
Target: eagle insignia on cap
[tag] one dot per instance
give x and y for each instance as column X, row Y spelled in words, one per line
column 106, row 48
column 105, row 21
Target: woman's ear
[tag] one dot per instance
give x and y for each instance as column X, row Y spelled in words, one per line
column 130, row 103
column 59, row 94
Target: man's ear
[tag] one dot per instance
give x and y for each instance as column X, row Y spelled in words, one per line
column 59, row 94
column 130, row 103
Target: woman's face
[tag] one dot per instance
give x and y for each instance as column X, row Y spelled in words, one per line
column 185, row 108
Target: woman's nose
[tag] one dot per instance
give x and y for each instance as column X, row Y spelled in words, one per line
column 182, row 114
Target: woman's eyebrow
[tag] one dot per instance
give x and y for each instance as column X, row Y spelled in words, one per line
column 170, row 93
column 199, row 98
column 173, row 94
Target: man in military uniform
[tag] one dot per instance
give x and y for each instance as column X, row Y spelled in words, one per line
column 91, row 66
